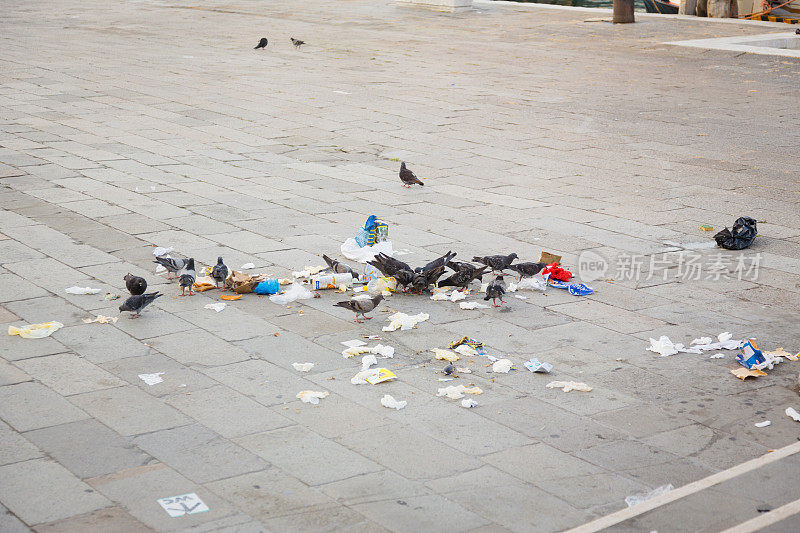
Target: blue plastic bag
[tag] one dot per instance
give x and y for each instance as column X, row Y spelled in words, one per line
column 269, row 286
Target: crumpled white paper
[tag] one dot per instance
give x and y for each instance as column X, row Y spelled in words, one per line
column 152, row 379
column 81, row 290
column 445, row 355
column 763, row 424
column 368, row 360
column 292, row 294
column 636, row 499
column 386, row 352
column 793, row 414
column 247, row 266
column 389, row 401
column 457, row 391
column 453, row 296
column 351, row 250
column 468, row 402
column 537, row 283
column 472, row 305
column 312, row 397
column 403, row 321
column 567, row 386
column 160, row 251
column 308, row 271
column 303, row 367
column 466, row 350
column 665, row 347
column 502, row 366
column 716, row 356
column 219, row 306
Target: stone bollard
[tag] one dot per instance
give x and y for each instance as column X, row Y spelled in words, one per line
column 688, row 7
column 439, row 5
column 719, row 8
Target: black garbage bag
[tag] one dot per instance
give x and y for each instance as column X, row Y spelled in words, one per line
column 740, row 236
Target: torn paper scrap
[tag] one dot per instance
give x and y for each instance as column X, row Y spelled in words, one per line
column 458, row 391
column 308, row 271
column 355, row 350
column 160, row 251
column 472, row 305
column 35, row 331
column 219, row 306
column 403, row 321
column 464, row 370
column 780, row 352
column 247, row 266
column 368, row 360
column 373, row 376
column 100, row 319
column 312, row 397
column 152, row 379
column 793, row 414
column 502, row 366
column 466, row 350
column 636, row 499
column 445, row 355
column 763, row 424
column 663, row 346
column 744, row 373
column 468, row 402
column 520, row 297
column 702, row 340
column 716, row 356
column 387, row 352
column 81, row 290
column 567, row 386
column 303, row 367
column 353, row 343
column 534, row 365
column 389, row 401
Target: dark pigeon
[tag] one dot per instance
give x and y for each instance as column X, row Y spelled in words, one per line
column 136, row 304
column 219, row 272
column 388, row 266
column 436, row 263
column 462, row 278
column 407, row 177
column 135, row 284
column 495, row 290
column 262, row 43
column 458, row 266
column 497, row 263
column 449, row 369
column 361, row 306
column 526, row 270
column 423, row 279
column 339, row 267
column 188, row 278
column 171, row 264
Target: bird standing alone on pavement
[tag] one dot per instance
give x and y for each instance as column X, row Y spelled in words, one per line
column 297, row 42
column 188, row 278
column 497, row 263
column 407, row 177
column 135, row 284
column 262, row 43
column 136, row 304
column 361, row 306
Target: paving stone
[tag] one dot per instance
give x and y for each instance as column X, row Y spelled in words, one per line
column 112, row 518
column 10, row 523
column 41, row 490
column 14, row 447
column 88, row 448
column 420, row 512
column 100, row 343
column 68, row 374
column 198, row 347
column 11, row 375
column 30, row 405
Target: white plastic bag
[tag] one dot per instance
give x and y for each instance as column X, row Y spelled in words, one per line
column 303, row 367
column 389, row 401
column 351, row 250
column 81, row 290
column 293, row 293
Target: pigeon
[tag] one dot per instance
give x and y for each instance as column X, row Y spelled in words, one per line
column 135, row 284
column 457, row 266
column 797, row 31
column 407, row 177
column 297, row 42
column 496, row 289
column 526, row 270
column 449, row 369
column 388, row 265
column 338, row 267
column 497, row 263
column 361, row 306
column 423, row 279
column 171, row 264
column 219, row 272
column 404, row 278
column 462, row 278
column 262, row 43
column 136, row 304
column 436, row 263
column 188, row 278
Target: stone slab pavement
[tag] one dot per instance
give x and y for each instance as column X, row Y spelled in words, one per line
column 129, row 125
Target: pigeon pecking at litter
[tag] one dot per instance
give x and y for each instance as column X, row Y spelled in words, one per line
column 135, row 284
column 464, row 276
column 339, row 267
column 361, row 306
column 171, row 264
column 526, row 270
column 188, row 278
column 497, row 263
column 136, row 304
column 495, row 290
column 407, row 177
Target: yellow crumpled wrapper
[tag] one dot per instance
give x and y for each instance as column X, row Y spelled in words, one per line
column 102, row 320
column 567, row 386
column 780, row 352
column 355, row 350
column 445, row 355
column 35, row 331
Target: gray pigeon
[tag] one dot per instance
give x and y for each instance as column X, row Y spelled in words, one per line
column 171, row 264
column 339, row 267
column 407, row 177
column 497, row 263
column 297, row 42
column 361, row 306
column 495, row 290
column 262, row 43
column 188, row 278
column 219, row 272
column 462, row 278
column 136, row 304
column 449, row 369
column 135, row 284
column 526, row 270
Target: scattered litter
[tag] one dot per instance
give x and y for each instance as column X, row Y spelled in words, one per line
column 403, row 321
column 464, row 370
column 368, row 360
column 466, row 350
column 303, row 367
column 548, row 258
column 702, row 340
column 716, row 356
column 81, row 290
column 636, row 499
column 204, row 283
column 351, row 250
column 332, row 281
column 111, row 296
column 744, row 373
column 312, row 397
column 242, row 283
column 502, row 366
column 764, row 424
column 556, row 273
column 472, row 305
column 152, row 379
column 793, row 414
column 268, row 286
column 537, row 283
column 231, row 297
column 534, row 365
column 520, row 297
column 752, row 357
column 374, row 231
column 373, row 376
column 160, row 251
column 468, row 402
column 740, row 236
column 665, row 347
column 455, row 296
column 35, row 331
column 100, row 319
column 219, row 306
column 373, row 337
column 468, row 341
column 780, row 352
column 293, row 293
column 446, row 379
column 457, row 392
column 353, row 343
column 567, row 386
column 247, row 266
column 389, row 401
column 707, row 227
column 347, row 353
column 177, row 506
column 308, row 271
column 445, row 355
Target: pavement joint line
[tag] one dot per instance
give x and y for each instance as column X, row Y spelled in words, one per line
column 761, row 521
column 687, row 490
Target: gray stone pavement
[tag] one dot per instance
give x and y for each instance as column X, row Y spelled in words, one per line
column 129, row 125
